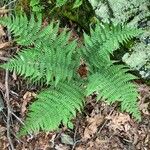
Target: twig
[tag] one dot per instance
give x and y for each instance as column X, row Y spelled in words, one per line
column 76, row 129
column 74, row 138
column 17, row 117
column 8, row 110
column 8, row 100
column 75, row 143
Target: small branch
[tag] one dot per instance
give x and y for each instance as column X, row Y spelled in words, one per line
column 8, row 110
column 17, row 117
column 7, row 92
column 74, row 138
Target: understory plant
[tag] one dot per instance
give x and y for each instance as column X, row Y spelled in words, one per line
column 135, row 14
column 52, row 57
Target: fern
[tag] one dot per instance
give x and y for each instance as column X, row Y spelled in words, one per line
column 54, row 105
column 60, row 2
column 104, row 40
column 36, row 7
column 51, row 57
column 111, row 82
column 25, row 32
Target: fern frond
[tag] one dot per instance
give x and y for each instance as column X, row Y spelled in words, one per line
column 24, row 65
column 24, row 31
column 112, row 83
column 103, row 40
column 53, row 107
column 50, row 59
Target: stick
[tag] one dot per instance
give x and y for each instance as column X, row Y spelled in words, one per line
column 8, row 110
column 8, row 101
column 17, row 117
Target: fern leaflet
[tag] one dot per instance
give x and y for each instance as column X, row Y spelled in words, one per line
column 53, row 107
column 112, row 84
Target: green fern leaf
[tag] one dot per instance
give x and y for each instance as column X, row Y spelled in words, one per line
column 23, row 64
column 25, row 32
column 53, row 107
column 112, row 83
column 50, row 59
column 103, row 40
column 76, row 4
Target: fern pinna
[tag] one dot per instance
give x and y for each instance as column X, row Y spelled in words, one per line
column 51, row 57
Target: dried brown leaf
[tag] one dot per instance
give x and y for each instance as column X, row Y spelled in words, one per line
column 118, row 121
column 144, row 108
column 4, row 45
column 2, row 33
column 26, row 99
column 93, row 123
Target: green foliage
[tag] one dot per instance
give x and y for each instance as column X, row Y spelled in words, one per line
column 77, row 3
column 52, row 57
column 25, row 32
column 54, row 105
column 113, row 83
column 36, row 7
column 60, row 2
column 135, row 13
column 103, row 41
column 109, row 80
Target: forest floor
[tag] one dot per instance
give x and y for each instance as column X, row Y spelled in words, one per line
column 99, row 127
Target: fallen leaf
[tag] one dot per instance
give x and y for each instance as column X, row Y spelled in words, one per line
column 3, row 10
column 118, row 121
column 14, row 76
column 2, row 130
column 93, row 123
column 4, row 45
column 26, row 99
column 52, row 140
column 144, row 108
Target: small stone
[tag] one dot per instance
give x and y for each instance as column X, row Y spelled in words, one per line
column 66, row 139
